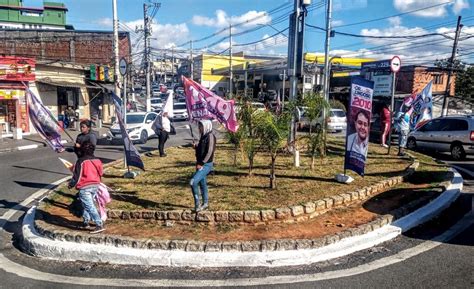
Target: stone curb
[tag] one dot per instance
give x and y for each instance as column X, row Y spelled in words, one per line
column 217, row 254
column 50, row 232
column 290, row 214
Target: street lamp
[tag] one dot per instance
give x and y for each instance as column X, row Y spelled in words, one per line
column 327, row 79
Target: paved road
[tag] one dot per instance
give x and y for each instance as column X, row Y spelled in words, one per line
column 449, row 264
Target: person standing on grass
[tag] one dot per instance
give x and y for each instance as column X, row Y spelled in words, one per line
column 86, row 135
column 204, row 164
column 87, row 173
column 385, row 124
column 403, row 128
column 162, row 128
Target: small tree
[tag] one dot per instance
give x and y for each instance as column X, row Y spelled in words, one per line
column 315, row 104
column 247, row 128
column 272, row 130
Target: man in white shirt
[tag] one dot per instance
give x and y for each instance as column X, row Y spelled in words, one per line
column 162, row 128
column 359, row 141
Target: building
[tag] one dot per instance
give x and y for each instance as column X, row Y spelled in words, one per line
column 13, row 15
column 71, row 67
column 14, row 73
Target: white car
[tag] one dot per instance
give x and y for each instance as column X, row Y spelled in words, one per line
column 180, row 111
column 156, row 103
column 337, row 120
column 138, row 126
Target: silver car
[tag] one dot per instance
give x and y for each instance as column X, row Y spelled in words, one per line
column 454, row 134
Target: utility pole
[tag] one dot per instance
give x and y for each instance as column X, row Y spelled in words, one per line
column 231, row 74
column 191, row 61
column 116, row 50
column 295, row 62
column 147, row 55
column 451, row 67
column 326, row 50
column 147, row 33
column 172, row 65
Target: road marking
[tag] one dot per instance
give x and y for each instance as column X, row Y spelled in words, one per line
column 34, row 197
column 28, row 147
column 25, row 272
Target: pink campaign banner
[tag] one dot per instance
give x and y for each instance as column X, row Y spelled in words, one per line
column 204, row 104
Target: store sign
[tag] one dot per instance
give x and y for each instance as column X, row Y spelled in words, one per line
column 17, row 68
column 11, row 93
column 382, row 83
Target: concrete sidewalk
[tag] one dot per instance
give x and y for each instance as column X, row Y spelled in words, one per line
column 35, row 141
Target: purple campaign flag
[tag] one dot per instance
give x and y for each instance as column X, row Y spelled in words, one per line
column 131, row 154
column 44, row 122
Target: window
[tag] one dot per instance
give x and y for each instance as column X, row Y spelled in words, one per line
column 454, row 125
column 433, row 125
column 149, row 118
column 438, row 79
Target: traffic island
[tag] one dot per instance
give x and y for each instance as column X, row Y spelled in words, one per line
column 323, row 214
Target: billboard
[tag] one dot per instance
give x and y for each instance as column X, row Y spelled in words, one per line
column 358, row 129
column 17, row 68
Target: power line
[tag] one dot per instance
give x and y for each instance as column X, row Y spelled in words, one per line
column 395, row 15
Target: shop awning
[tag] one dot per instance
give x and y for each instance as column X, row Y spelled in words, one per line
column 103, row 86
column 54, row 82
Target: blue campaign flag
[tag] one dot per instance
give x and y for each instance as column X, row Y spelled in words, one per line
column 131, row 153
column 44, row 122
column 358, row 125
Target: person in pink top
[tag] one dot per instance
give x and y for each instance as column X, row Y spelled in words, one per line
column 385, row 124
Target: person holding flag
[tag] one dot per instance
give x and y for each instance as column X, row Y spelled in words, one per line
column 204, row 164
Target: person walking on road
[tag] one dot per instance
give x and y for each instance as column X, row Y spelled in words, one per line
column 204, row 164
column 162, row 128
column 385, row 124
column 87, row 173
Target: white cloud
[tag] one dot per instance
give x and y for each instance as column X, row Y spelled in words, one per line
column 222, row 20
column 337, row 22
column 395, row 21
column 164, row 35
column 422, row 50
column 460, row 5
column 105, row 22
column 438, row 11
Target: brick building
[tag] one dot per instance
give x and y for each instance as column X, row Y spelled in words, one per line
column 64, row 59
column 412, row 79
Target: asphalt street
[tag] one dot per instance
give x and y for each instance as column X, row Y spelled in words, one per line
column 433, row 265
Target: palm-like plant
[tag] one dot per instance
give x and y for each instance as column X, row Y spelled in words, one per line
column 272, row 131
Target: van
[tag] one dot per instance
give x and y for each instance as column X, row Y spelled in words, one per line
column 453, row 134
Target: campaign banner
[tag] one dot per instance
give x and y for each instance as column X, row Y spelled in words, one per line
column 44, row 122
column 358, row 128
column 132, row 155
column 204, row 104
column 420, row 107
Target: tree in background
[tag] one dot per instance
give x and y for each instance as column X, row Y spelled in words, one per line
column 464, row 77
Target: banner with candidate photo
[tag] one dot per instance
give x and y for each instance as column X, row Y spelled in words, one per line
column 358, row 125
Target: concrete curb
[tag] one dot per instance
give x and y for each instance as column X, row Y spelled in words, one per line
column 343, row 243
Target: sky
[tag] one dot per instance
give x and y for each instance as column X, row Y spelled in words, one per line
column 256, row 26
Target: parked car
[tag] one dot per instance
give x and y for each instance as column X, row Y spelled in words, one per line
column 156, row 103
column 180, row 111
column 257, row 106
column 138, row 126
column 179, row 90
column 155, row 92
column 453, row 134
column 336, row 121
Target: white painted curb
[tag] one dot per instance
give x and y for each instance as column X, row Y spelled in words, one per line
column 63, row 250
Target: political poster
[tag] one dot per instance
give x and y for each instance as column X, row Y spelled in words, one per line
column 204, row 104
column 420, row 107
column 358, row 129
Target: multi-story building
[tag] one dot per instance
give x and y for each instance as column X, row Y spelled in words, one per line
column 13, row 15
